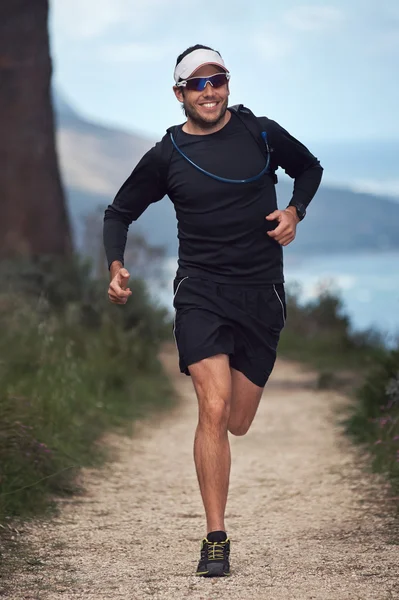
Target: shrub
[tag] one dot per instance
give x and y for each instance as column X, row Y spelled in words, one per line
column 71, row 365
column 319, row 331
column 375, row 419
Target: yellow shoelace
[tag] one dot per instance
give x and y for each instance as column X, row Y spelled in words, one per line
column 216, row 550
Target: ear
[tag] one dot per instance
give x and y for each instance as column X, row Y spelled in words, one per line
column 178, row 93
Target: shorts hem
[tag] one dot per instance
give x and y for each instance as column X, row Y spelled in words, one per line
column 201, row 354
column 260, row 381
column 257, row 375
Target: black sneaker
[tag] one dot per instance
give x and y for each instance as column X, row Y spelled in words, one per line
column 214, row 561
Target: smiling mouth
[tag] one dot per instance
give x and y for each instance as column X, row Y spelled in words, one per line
column 209, row 105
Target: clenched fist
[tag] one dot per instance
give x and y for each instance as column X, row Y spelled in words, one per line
column 285, row 231
column 118, row 292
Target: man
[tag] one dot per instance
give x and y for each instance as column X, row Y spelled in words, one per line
column 229, row 292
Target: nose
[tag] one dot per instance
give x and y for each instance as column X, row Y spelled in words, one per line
column 206, row 89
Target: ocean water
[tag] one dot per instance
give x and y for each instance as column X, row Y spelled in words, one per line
column 367, row 283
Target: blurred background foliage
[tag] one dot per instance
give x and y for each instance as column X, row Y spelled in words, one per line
column 71, row 366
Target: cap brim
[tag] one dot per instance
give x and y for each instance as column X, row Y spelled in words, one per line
column 195, row 60
column 207, row 63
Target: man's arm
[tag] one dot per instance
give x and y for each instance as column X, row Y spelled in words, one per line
column 144, row 186
column 297, row 161
column 300, row 164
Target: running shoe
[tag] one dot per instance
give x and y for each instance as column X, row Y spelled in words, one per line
column 214, row 561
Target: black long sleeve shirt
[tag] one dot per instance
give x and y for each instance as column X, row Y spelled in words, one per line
column 222, row 228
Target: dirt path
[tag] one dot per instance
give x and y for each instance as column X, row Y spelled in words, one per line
column 304, row 520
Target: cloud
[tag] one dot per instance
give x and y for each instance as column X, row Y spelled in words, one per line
column 384, row 187
column 313, row 18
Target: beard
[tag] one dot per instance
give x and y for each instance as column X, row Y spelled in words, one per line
column 191, row 112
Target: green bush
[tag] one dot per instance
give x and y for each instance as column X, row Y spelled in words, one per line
column 71, row 365
column 375, row 419
column 319, row 332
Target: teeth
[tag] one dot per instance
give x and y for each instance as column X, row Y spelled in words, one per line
column 210, row 104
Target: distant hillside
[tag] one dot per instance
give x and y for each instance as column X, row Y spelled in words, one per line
column 95, row 160
column 365, row 166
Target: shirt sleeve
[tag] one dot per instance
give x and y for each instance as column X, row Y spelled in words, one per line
column 143, row 187
column 297, row 161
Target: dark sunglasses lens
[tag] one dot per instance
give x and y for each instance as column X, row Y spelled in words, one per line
column 192, row 84
column 198, row 83
column 219, row 80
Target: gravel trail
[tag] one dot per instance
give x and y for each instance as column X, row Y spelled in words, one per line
column 305, row 520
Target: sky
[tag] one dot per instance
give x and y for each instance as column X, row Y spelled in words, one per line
column 324, row 70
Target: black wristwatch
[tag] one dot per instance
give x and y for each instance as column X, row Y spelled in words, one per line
column 300, row 209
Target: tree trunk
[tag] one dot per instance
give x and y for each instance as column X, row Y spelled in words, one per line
column 33, row 216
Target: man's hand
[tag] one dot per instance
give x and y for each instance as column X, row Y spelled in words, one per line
column 285, row 231
column 118, row 292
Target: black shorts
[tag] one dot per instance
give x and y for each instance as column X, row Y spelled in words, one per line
column 216, row 318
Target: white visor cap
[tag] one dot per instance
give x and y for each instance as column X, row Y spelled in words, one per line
column 195, row 60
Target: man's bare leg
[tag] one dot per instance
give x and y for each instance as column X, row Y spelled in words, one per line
column 212, row 382
column 245, row 398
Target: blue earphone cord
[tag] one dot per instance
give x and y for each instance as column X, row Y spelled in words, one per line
column 223, row 179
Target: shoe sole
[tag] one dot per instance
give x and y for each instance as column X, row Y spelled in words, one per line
column 214, row 570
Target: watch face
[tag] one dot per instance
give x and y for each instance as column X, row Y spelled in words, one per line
column 301, row 210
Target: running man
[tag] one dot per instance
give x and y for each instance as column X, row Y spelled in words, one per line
column 218, row 170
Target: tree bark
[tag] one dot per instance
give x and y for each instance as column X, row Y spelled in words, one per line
column 33, row 216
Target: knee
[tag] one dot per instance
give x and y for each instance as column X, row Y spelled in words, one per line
column 214, row 413
column 238, row 429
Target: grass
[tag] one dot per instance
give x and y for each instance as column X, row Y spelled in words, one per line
column 319, row 332
column 69, row 371
column 375, row 420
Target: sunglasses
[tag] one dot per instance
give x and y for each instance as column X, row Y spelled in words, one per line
column 198, row 84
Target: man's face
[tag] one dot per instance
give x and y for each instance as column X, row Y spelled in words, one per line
column 208, row 107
